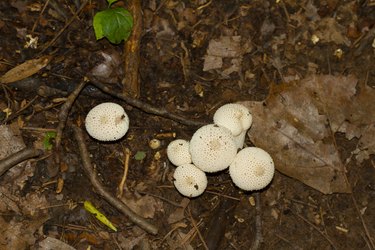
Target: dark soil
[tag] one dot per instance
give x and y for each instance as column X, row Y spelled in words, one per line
column 175, row 39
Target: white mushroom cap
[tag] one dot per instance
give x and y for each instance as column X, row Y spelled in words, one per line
column 178, row 152
column 107, row 122
column 189, row 180
column 233, row 116
column 212, row 148
column 252, row 169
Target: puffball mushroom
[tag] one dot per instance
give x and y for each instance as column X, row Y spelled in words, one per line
column 178, row 152
column 212, row 148
column 252, row 169
column 189, row 180
column 233, row 116
column 107, row 122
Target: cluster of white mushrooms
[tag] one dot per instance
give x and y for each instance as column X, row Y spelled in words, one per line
column 214, row 147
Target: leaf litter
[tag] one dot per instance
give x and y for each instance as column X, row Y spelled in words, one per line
column 297, row 123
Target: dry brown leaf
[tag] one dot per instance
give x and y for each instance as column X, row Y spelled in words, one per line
column 145, row 206
column 329, row 30
column 25, row 69
column 226, row 47
column 297, row 122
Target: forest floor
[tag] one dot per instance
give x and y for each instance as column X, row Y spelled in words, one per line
column 280, row 58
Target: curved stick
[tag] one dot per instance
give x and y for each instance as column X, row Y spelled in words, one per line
column 91, row 173
column 20, row 156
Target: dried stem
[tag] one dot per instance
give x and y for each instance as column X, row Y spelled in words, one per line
column 125, row 174
column 91, row 174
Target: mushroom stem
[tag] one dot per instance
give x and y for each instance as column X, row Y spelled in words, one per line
column 91, row 174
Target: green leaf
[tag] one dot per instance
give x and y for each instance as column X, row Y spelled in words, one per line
column 110, row 2
column 47, row 140
column 140, row 155
column 114, row 24
column 98, row 215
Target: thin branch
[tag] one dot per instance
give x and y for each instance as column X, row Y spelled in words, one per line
column 197, row 229
column 64, row 28
column 147, row 108
column 316, row 228
column 99, row 188
column 20, row 156
column 64, row 112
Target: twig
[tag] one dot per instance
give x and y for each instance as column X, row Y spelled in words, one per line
column 21, row 110
column 258, row 223
column 130, row 82
column 40, row 16
column 125, row 174
column 223, row 195
column 20, row 156
column 162, row 198
column 197, row 229
column 64, row 28
column 64, row 112
column 370, row 241
column 316, row 228
column 145, row 106
column 91, row 174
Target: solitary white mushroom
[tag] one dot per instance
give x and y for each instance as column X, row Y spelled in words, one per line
column 252, row 169
column 212, row 148
column 189, row 180
column 233, row 116
column 178, row 152
column 107, row 122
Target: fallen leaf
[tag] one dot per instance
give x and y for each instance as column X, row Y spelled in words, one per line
column 25, row 69
column 329, row 30
column 146, row 206
column 297, row 122
column 226, row 47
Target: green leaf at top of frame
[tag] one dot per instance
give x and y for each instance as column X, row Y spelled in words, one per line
column 110, row 2
column 114, row 24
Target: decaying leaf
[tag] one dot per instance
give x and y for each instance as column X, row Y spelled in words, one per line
column 297, row 122
column 25, row 69
column 146, row 206
column 329, row 30
column 226, row 47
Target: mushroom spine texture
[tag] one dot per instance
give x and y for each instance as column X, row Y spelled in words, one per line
column 212, row 148
column 107, row 122
column 178, row 152
column 252, row 169
column 233, row 116
column 189, row 180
